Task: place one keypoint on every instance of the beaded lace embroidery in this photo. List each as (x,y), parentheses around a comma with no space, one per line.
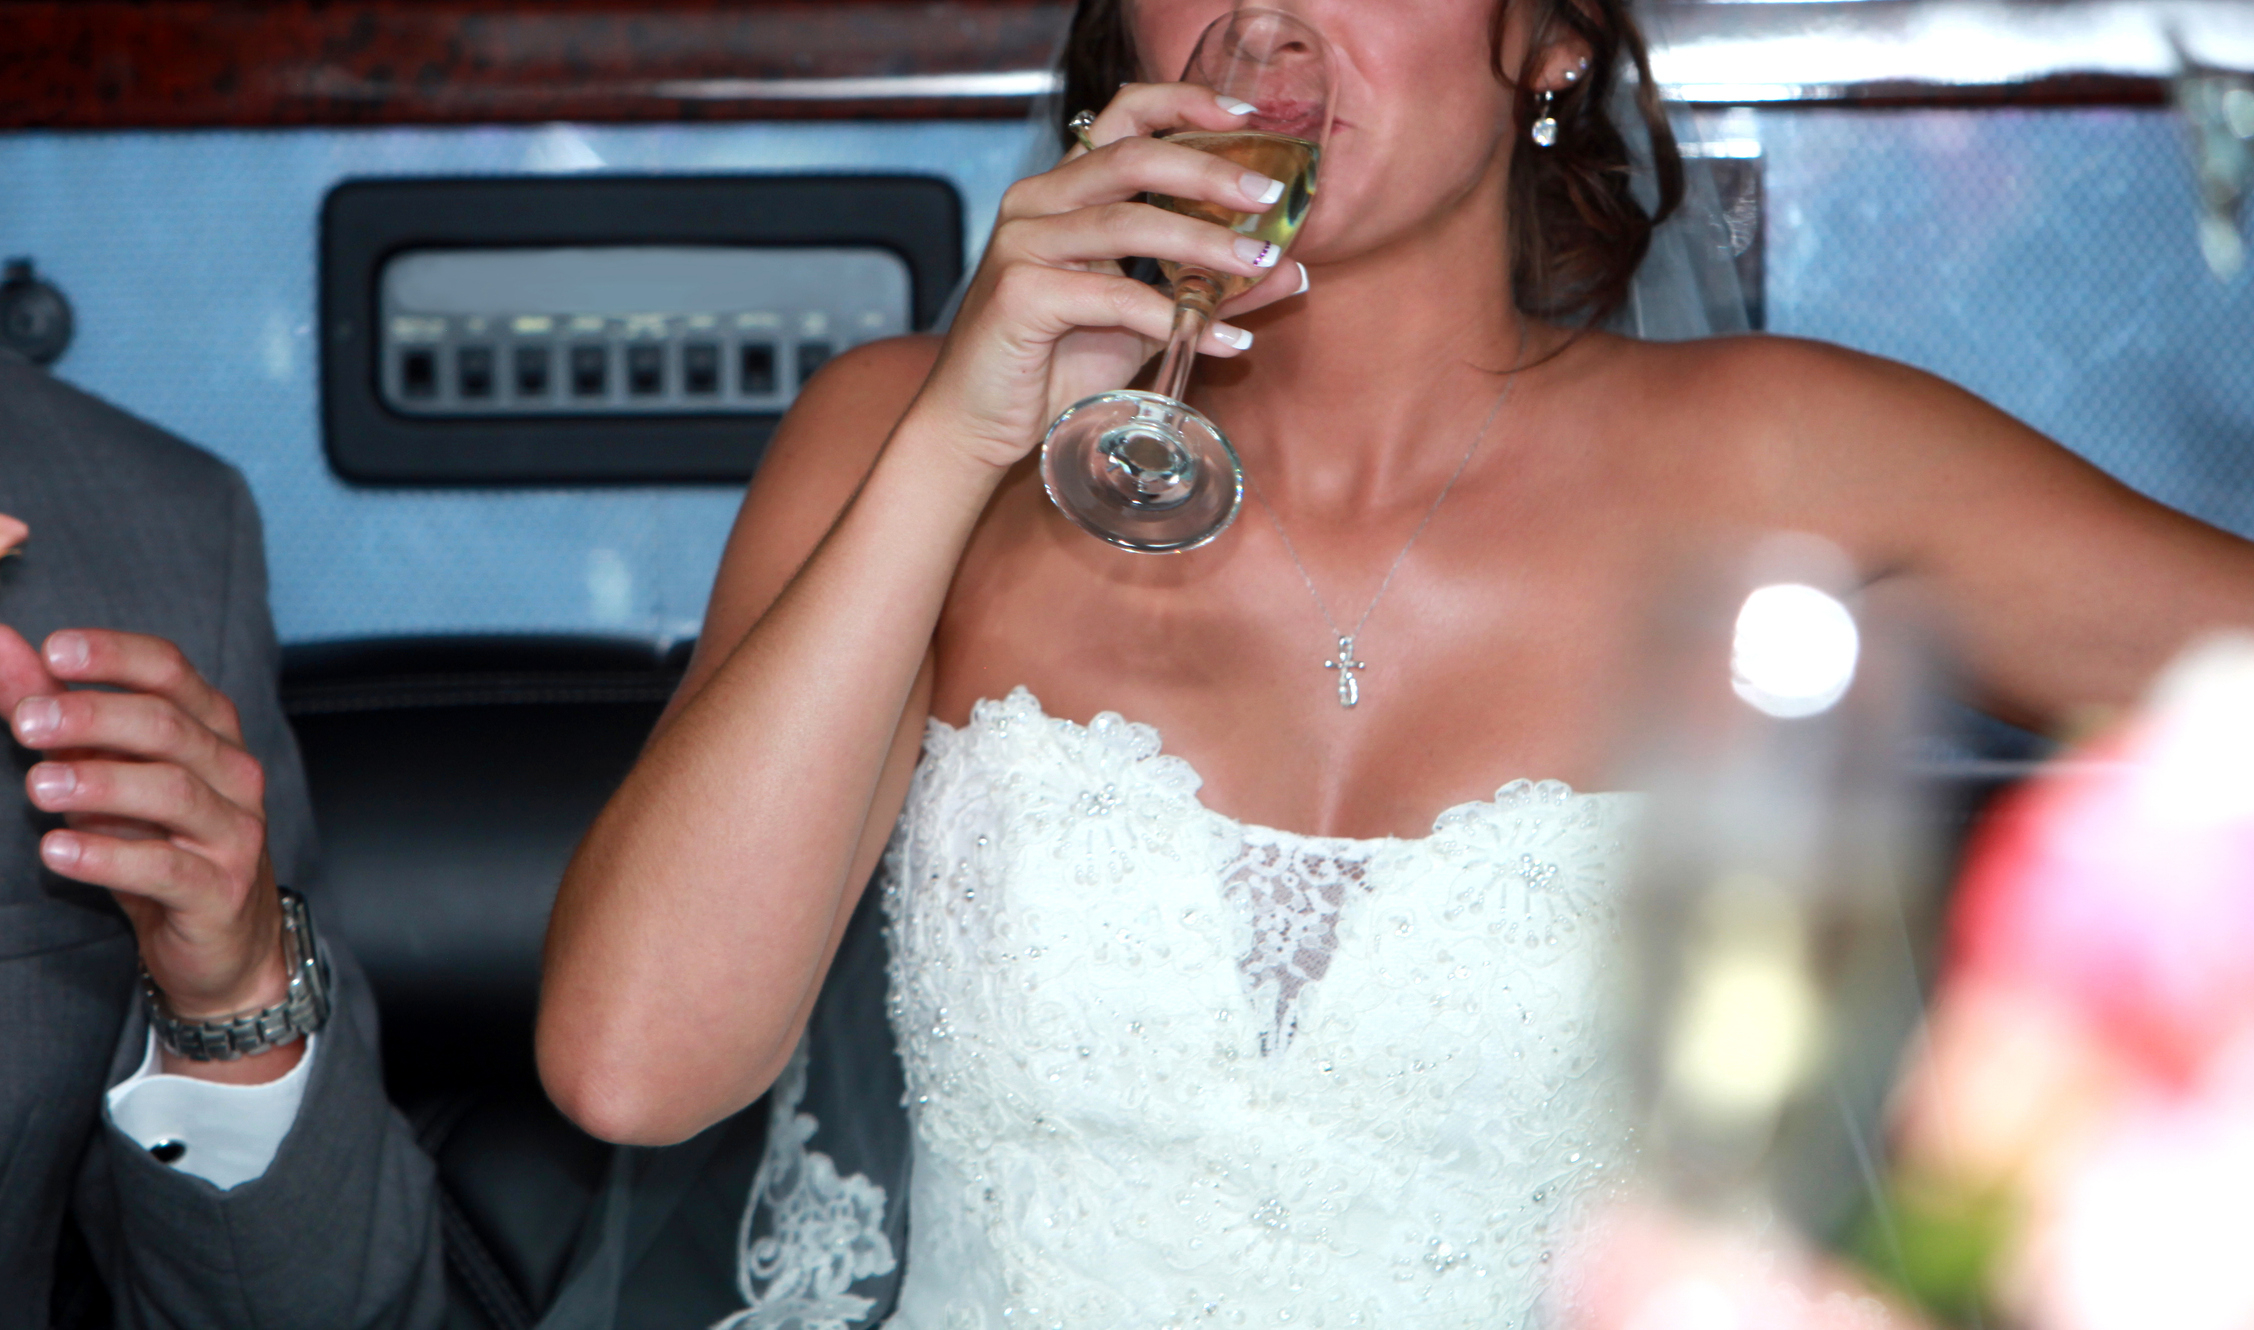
(1166,1069)
(821,1232)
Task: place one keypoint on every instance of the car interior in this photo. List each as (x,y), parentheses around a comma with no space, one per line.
(495,305)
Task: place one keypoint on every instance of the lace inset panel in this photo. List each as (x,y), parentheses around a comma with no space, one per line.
(1291,891)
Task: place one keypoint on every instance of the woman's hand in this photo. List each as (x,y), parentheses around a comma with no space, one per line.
(161,804)
(1050,318)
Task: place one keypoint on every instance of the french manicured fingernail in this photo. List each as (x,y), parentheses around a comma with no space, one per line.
(53,780)
(1240,338)
(1233,106)
(38,717)
(1261,189)
(1302,281)
(1258,253)
(61,849)
(67,651)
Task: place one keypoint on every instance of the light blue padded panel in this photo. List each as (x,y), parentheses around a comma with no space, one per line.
(190,260)
(2047,260)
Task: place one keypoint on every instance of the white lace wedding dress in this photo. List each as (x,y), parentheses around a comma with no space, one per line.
(1167,1069)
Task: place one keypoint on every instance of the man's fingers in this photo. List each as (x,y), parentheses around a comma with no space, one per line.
(159,793)
(144,727)
(143,664)
(124,828)
(207,935)
(22,673)
(155,870)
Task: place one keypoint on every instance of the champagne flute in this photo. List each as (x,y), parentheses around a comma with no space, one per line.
(1781,914)
(1143,470)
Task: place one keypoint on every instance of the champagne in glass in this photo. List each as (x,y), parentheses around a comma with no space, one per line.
(1276,156)
(1143,470)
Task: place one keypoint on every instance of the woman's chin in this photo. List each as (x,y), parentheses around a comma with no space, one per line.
(1319,245)
(1336,248)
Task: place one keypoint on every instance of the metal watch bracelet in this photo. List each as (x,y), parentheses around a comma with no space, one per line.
(304,1011)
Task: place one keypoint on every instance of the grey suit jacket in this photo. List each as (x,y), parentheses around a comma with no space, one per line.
(134,529)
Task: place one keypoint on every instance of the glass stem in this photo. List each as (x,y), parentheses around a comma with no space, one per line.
(1194,297)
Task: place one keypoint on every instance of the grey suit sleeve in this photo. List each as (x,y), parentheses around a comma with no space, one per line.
(342,1230)
(248,668)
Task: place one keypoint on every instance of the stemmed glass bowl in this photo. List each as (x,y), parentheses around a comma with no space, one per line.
(1144,470)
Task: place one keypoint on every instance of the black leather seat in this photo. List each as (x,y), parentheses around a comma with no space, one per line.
(451,780)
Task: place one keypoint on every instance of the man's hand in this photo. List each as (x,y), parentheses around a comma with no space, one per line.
(161,804)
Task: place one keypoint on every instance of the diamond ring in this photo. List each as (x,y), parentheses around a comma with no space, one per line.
(1080,123)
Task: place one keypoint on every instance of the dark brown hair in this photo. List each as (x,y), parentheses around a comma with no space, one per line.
(1577,232)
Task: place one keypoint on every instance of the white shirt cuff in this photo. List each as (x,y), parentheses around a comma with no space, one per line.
(224,1134)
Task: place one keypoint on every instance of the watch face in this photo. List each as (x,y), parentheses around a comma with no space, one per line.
(309,978)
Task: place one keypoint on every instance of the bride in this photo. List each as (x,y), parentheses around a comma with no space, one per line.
(1167,1060)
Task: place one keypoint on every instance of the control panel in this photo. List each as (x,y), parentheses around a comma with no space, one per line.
(602,328)
(632,330)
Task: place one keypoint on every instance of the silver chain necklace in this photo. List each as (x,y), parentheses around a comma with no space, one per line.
(1349,687)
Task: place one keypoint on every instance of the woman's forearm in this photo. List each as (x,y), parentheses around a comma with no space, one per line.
(693,925)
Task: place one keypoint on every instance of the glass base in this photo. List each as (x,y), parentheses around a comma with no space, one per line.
(1142,471)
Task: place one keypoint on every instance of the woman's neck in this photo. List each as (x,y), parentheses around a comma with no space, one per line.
(1369,384)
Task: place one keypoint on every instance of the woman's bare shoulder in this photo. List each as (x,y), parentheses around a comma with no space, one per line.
(1756,371)
(1796,406)
(846,410)
(832,434)
(1735,401)
(820,453)
(1802,433)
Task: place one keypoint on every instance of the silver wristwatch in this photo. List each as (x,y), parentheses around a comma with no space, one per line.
(304,1011)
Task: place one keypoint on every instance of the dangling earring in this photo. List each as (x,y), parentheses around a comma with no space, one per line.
(1544,130)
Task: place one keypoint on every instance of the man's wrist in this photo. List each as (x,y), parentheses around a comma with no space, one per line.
(271,988)
(244,1032)
(257,1069)
(266,984)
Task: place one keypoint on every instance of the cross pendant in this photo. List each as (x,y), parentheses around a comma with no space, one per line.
(1349,689)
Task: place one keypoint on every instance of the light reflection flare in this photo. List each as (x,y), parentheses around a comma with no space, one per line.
(1794,650)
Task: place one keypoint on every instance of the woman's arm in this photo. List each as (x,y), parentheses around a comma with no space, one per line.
(694,926)
(2062,588)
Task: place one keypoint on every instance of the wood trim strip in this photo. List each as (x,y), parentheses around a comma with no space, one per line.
(115,64)
(109,64)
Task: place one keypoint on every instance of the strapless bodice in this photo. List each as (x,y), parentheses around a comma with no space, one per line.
(1166,1068)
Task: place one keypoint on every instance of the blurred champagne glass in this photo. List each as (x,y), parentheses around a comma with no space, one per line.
(1777,928)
